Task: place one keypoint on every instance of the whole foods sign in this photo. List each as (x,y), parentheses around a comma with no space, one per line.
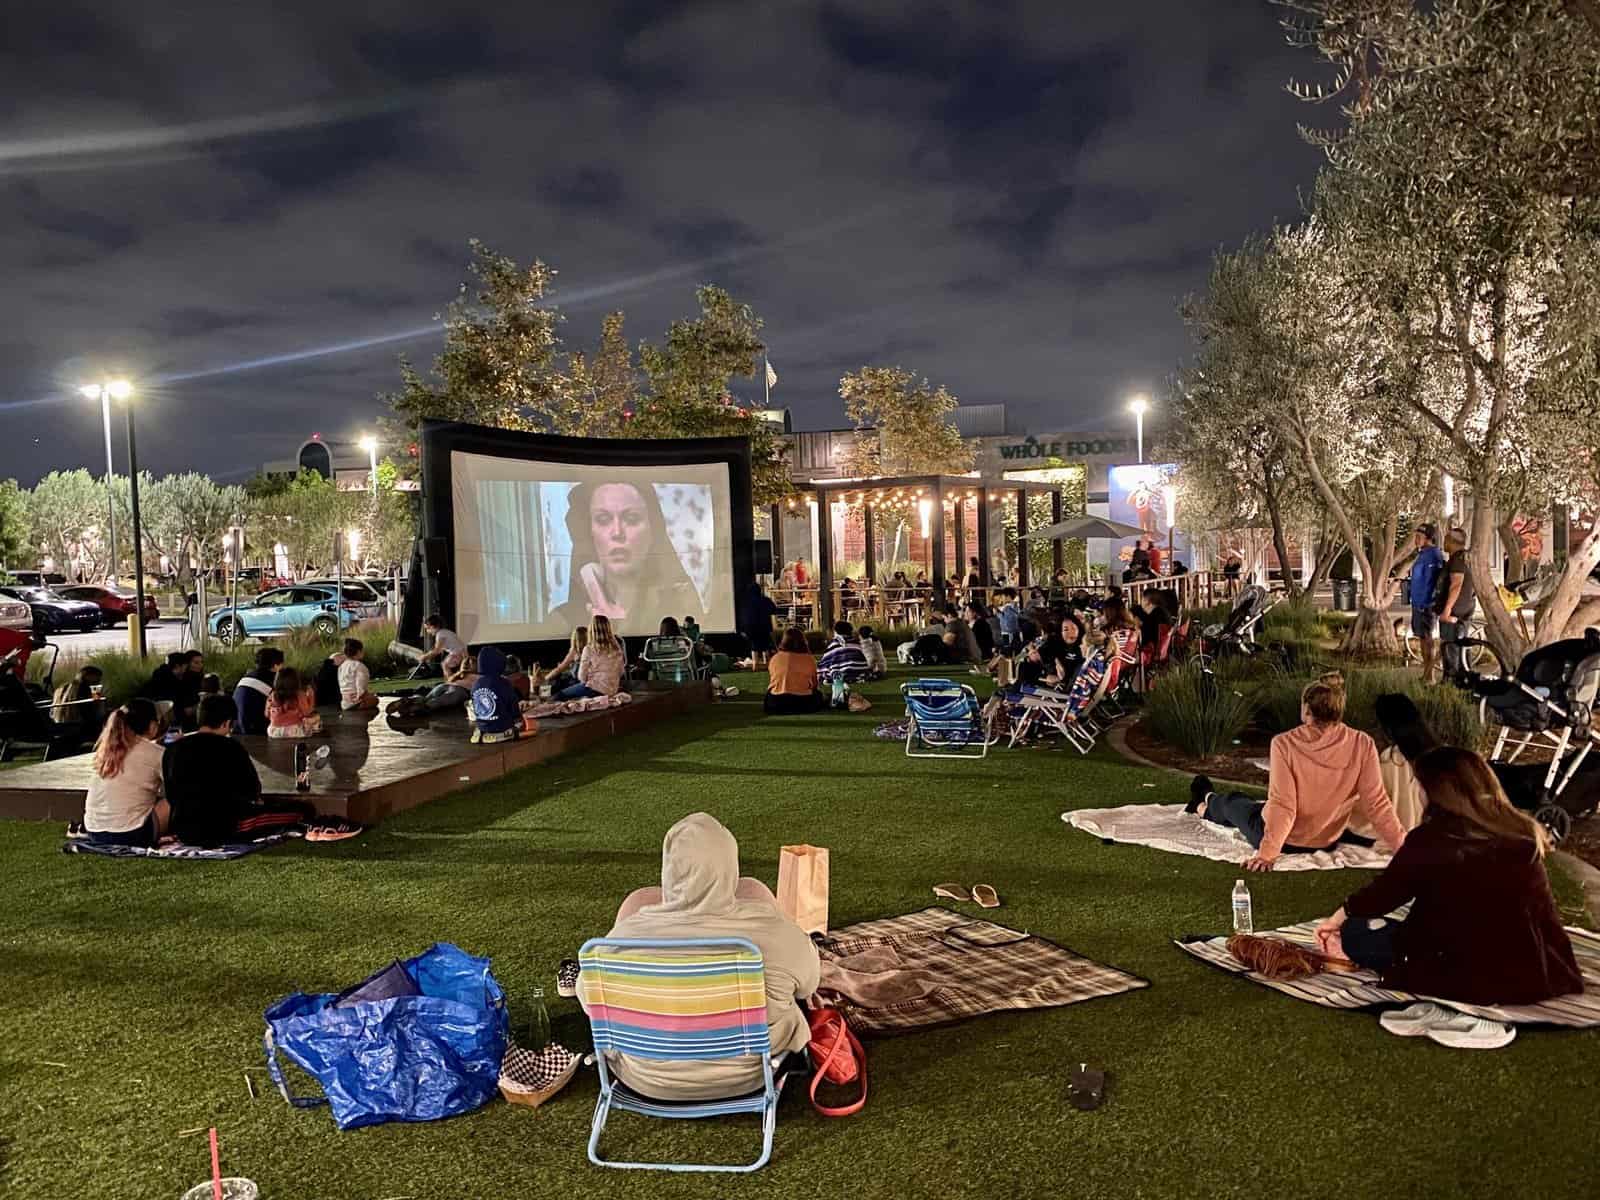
(1032,447)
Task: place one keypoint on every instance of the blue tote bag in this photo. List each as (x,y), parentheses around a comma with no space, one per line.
(419,1041)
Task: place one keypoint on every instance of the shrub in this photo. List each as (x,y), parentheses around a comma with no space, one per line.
(1195,712)
(1449,712)
(1294,621)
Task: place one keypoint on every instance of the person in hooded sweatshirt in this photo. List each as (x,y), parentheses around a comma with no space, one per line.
(496,711)
(702,896)
(1320,773)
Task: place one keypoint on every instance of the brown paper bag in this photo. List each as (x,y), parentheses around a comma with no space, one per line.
(803,886)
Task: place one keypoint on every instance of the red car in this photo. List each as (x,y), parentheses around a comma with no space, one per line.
(115,605)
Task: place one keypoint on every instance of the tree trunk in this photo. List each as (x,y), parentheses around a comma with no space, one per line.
(1586,615)
(1556,614)
(1515,563)
(1499,627)
(1371,634)
(1280,544)
(1328,552)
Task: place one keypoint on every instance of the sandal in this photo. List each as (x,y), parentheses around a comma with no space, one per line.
(985,896)
(1087,1089)
(951,891)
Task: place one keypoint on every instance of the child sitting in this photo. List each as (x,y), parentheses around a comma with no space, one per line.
(496,710)
(292,707)
(872,649)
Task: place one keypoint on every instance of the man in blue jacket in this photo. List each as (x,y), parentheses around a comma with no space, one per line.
(1419,592)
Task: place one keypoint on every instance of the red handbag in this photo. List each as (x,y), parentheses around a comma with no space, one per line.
(836,1056)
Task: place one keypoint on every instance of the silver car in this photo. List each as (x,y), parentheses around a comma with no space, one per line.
(371,604)
(14,614)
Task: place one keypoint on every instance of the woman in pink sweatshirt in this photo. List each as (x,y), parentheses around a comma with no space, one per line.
(1321,773)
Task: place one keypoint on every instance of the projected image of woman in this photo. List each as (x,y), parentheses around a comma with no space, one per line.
(623,564)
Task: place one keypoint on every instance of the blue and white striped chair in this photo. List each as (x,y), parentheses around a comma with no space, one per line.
(677,1000)
(944,720)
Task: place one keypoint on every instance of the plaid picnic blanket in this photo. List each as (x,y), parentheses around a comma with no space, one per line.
(169,848)
(980,967)
(1361,989)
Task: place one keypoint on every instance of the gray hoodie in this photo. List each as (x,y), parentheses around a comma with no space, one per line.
(699,882)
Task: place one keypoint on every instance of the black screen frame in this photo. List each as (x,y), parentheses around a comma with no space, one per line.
(441,439)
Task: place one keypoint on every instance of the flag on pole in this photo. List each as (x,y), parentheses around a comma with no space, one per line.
(772,376)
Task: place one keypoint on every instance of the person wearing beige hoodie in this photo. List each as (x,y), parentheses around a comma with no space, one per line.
(1321,774)
(702,896)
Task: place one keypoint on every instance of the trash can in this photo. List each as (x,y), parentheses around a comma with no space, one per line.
(1344,595)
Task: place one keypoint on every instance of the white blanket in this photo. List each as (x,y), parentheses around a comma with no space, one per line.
(1168,827)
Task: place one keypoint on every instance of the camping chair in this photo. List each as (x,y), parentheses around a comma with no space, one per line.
(677,1000)
(944,719)
(671,660)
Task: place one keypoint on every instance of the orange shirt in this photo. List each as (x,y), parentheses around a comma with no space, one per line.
(791,674)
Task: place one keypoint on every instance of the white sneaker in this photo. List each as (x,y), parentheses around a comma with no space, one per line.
(1416,1019)
(1448,1027)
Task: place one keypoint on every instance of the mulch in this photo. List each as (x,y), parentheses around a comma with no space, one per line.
(1233,763)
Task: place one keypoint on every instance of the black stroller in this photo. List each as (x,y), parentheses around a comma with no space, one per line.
(1236,635)
(1549,700)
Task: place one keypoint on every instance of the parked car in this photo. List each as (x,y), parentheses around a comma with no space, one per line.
(53,613)
(284,610)
(115,604)
(373,605)
(26,578)
(14,614)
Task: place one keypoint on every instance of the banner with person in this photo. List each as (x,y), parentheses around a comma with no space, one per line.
(1145,495)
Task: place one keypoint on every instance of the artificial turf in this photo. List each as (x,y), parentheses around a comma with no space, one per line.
(134,992)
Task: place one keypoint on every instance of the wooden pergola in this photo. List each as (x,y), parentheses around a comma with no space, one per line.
(958,490)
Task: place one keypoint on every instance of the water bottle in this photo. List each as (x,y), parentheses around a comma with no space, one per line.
(538,1022)
(1243,921)
(302,767)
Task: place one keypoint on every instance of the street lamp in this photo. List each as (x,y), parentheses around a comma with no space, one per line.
(121,389)
(1138,406)
(370,445)
(105,392)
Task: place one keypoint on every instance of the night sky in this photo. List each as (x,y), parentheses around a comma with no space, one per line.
(253,210)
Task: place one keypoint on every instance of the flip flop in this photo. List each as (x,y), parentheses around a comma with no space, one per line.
(985,896)
(951,891)
(1087,1089)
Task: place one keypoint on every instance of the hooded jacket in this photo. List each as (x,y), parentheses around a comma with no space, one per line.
(494,700)
(699,899)
(1319,775)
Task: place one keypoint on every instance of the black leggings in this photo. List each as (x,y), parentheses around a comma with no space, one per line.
(779,705)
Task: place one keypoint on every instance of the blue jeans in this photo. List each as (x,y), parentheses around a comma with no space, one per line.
(578,691)
(1368,947)
(1244,813)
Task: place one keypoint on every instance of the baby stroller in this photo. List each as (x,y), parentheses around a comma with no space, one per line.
(1236,635)
(1549,700)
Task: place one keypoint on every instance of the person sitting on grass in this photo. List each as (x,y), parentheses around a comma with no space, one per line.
(601,665)
(961,644)
(255,688)
(210,685)
(792,677)
(292,707)
(355,679)
(124,805)
(496,709)
(977,619)
(929,649)
(177,683)
(565,672)
(455,691)
(213,789)
(1406,738)
(703,896)
(1483,927)
(872,648)
(843,663)
(1318,775)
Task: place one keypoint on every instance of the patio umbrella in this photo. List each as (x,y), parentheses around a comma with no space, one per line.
(1089,527)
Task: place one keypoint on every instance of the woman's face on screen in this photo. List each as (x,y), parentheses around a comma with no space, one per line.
(620,524)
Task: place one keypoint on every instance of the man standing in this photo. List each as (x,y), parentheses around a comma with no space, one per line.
(1457,601)
(1419,592)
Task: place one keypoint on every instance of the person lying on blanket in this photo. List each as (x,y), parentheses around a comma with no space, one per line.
(1483,927)
(702,896)
(212,785)
(1319,774)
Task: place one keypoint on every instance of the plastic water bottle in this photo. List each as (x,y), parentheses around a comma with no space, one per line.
(538,1022)
(302,767)
(1243,921)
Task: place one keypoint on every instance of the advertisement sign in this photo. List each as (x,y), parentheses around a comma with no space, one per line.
(1145,495)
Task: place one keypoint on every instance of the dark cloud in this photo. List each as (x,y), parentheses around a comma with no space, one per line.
(254,210)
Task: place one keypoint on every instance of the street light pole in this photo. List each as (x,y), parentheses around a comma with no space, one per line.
(138,533)
(111,503)
(1140,405)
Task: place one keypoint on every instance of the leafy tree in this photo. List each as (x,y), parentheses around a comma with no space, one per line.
(67,512)
(600,390)
(903,425)
(1467,179)
(16,547)
(304,518)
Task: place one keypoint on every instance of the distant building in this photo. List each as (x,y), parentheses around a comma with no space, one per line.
(340,461)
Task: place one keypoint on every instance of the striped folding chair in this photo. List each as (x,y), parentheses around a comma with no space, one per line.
(677,1000)
(944,720)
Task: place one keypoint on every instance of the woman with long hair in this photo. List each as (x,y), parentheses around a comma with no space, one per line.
(292,707)
(569,665)
(124,806)
(600,666)
(792,677)
(623,563)
(1483,927)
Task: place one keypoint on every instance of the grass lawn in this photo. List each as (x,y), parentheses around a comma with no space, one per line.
(134,993)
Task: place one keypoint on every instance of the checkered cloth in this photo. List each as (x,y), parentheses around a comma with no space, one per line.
(981,967)
(1361,989)
(533,1076)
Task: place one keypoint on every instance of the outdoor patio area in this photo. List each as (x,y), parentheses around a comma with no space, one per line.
(137,989)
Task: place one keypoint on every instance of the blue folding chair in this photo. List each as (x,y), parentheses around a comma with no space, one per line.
(677,1000)
(944,719)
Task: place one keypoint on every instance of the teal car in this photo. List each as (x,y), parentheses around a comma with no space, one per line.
(285,610)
